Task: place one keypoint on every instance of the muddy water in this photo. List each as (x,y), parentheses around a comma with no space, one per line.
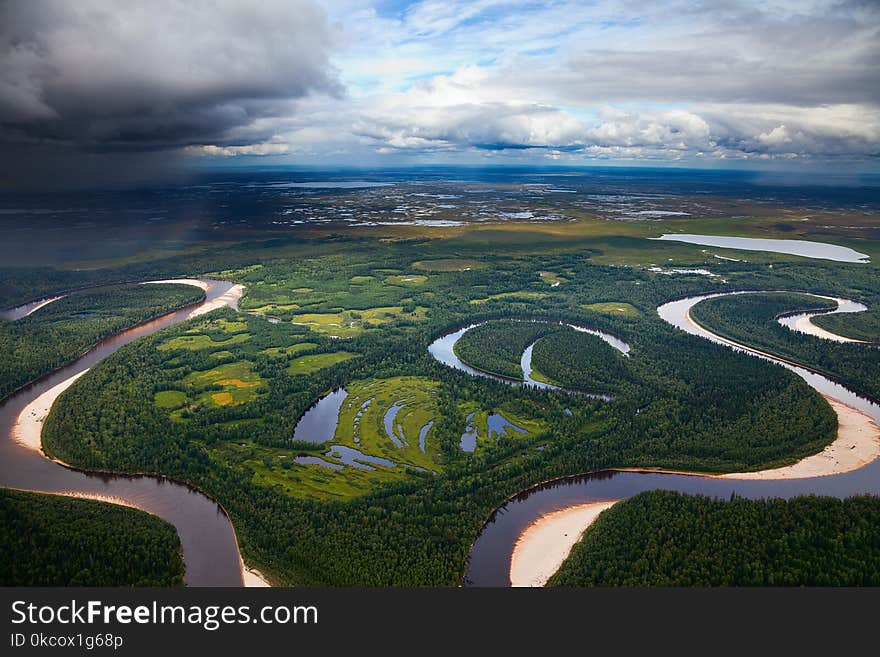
(490,557)
(210,550)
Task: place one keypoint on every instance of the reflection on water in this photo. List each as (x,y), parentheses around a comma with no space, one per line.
(395,433)
(498,425)
(357,459)
(314,460)
(469,437)
(318,424)
(423,434)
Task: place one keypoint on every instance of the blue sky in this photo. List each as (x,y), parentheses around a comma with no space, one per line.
(779,83)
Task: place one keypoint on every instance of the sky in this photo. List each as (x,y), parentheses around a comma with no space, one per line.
(94,88)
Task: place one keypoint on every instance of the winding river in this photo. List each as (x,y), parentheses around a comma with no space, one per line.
(210,549)
(489,561)
(443,349)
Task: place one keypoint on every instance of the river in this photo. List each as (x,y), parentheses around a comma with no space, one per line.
(210,549)
(490,557)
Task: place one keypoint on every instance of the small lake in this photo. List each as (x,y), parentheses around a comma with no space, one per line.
(318,424)
(802,248)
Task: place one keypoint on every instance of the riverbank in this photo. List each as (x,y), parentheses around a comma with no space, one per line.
(28,427)
(546,543)
(856,445)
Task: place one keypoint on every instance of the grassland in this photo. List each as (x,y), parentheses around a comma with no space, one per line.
(239,383)
(348,323)
(618,308)
(305,365)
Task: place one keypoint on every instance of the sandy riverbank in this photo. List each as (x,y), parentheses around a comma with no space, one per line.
(28,426)
(253,578)
(804,324)
(856,445)
(545,544)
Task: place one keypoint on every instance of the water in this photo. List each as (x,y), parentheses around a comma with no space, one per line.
(318,423)
(314,460)
(843,306)
(443,349)
(498,425)
(469,437)
(357,459)
(210,550)
(26,309)
(423,435)
(489,559)
(394,433)
(803,248)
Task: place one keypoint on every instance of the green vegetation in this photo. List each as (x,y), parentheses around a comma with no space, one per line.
(686,404)
(348,323)
(497,346)
(449,264)
(412,280)
(49,540)
(314,362)
(62,330)
(228,384)
(859,326)
(668,539)
(580,360)
(700,407)
(619,308)
(510,296)
(751,318)
(551,278)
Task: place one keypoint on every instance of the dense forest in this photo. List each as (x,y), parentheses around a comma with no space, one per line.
(860,326)
(686,404)
(62,330)
(49,540)
(751,319)
(580,360)
(496,347)
(662,538)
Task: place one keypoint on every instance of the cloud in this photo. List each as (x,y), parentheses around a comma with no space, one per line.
(470,110)
(362,81)
(147,75)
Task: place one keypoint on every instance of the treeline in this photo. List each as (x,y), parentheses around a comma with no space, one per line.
(580,360)
(497,346)
(751,319)
(859,326)
(62,330)
(49,540)
(662,538)
(690,405)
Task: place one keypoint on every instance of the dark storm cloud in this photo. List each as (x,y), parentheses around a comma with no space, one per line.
(92,76)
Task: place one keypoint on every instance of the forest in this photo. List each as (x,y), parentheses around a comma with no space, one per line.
(684,403)
(496,347)
(751,318)
(580,360)
(62,330)
(662,538)
(50,540)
